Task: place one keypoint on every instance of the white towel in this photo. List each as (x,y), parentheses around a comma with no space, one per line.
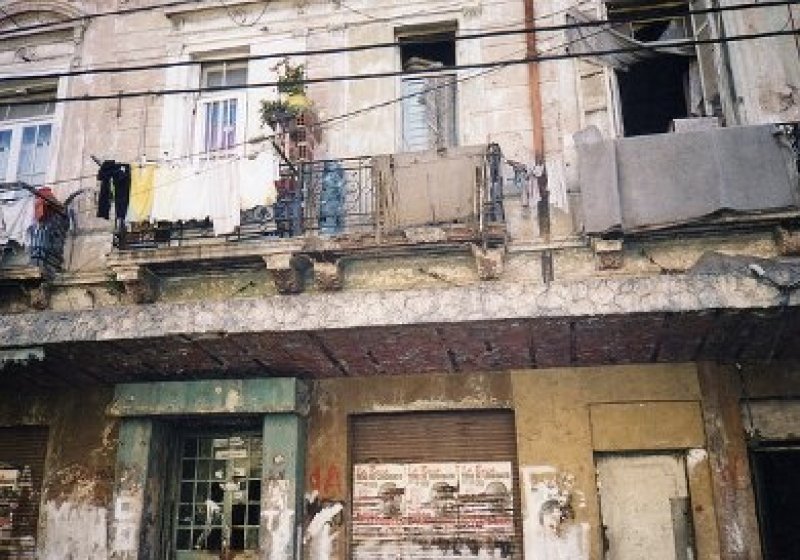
(257,179)
(17,215)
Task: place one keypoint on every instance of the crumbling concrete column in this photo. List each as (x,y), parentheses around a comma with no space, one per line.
(730,468)
(282,483)
(138,489)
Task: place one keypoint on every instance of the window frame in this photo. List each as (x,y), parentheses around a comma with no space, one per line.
(17,127)
(207,99)
(441,30)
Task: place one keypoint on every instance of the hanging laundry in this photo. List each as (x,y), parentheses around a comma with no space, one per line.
(331,198)
(141,199)
(45,204)
(165,193)
(257,180)
(115,184)
(17,216)
(225,197)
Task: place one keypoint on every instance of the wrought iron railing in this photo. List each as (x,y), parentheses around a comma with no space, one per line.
(39,236)
(326,198)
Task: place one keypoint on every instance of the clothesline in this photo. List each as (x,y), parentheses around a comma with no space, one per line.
(151,192)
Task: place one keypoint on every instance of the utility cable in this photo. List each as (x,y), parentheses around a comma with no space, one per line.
(388,44)
(396,73)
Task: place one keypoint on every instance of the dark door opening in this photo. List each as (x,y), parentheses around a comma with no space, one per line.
(652,93)
(778,495)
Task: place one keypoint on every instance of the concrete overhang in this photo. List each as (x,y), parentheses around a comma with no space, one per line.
(488,326)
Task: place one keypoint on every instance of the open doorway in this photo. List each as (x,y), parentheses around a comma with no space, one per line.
(657,86)
(777,487)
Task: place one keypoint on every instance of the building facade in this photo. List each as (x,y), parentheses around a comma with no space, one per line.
(328,280)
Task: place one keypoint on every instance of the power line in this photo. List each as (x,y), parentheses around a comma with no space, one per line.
(383,45)
(396,73)
(338,118)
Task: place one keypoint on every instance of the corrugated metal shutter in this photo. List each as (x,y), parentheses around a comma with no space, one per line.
(462,437)
(22,455)
(418,437)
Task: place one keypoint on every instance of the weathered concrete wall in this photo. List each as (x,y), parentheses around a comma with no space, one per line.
(562,417)
(79,469)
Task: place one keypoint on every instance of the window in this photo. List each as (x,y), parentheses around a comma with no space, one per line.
(664,85)
(219,495)
(221,113)
(26,133)
(429,99)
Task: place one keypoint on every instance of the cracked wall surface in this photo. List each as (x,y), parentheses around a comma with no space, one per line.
(591,297)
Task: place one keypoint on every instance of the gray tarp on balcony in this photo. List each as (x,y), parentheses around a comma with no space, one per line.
(668,179)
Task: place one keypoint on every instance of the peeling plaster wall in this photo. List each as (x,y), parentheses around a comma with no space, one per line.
(556,441)
(79,469)
(554,437)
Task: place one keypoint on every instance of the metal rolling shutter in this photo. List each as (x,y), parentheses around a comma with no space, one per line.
(22,449)
(469,436)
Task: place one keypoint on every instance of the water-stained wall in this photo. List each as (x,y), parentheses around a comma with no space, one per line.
(563,417)
(78,470)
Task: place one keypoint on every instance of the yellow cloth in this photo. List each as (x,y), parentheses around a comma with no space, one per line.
(142,183)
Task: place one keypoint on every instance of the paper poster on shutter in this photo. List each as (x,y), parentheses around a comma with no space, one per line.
(431,496)
(378,501)
(486,499)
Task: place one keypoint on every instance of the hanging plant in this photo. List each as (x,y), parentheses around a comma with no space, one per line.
(292,100)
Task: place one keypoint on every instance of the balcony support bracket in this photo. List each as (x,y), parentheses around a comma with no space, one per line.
(39,296)
(609,253)
(328,276)
(788,241)
(490,262)
(287,271)
(139,283)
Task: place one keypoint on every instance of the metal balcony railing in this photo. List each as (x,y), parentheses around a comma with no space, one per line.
(31,239)
(336,197)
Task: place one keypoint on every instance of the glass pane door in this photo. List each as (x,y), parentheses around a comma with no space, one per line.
(219,496)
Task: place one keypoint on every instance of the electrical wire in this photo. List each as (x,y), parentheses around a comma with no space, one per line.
(383,45)
(395,73)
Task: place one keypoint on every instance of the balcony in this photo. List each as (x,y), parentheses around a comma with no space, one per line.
(696,181)
(337,208)
(33,230)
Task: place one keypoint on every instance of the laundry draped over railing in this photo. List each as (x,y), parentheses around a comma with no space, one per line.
(218,190)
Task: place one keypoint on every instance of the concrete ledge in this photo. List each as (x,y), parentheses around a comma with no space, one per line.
(352,309)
